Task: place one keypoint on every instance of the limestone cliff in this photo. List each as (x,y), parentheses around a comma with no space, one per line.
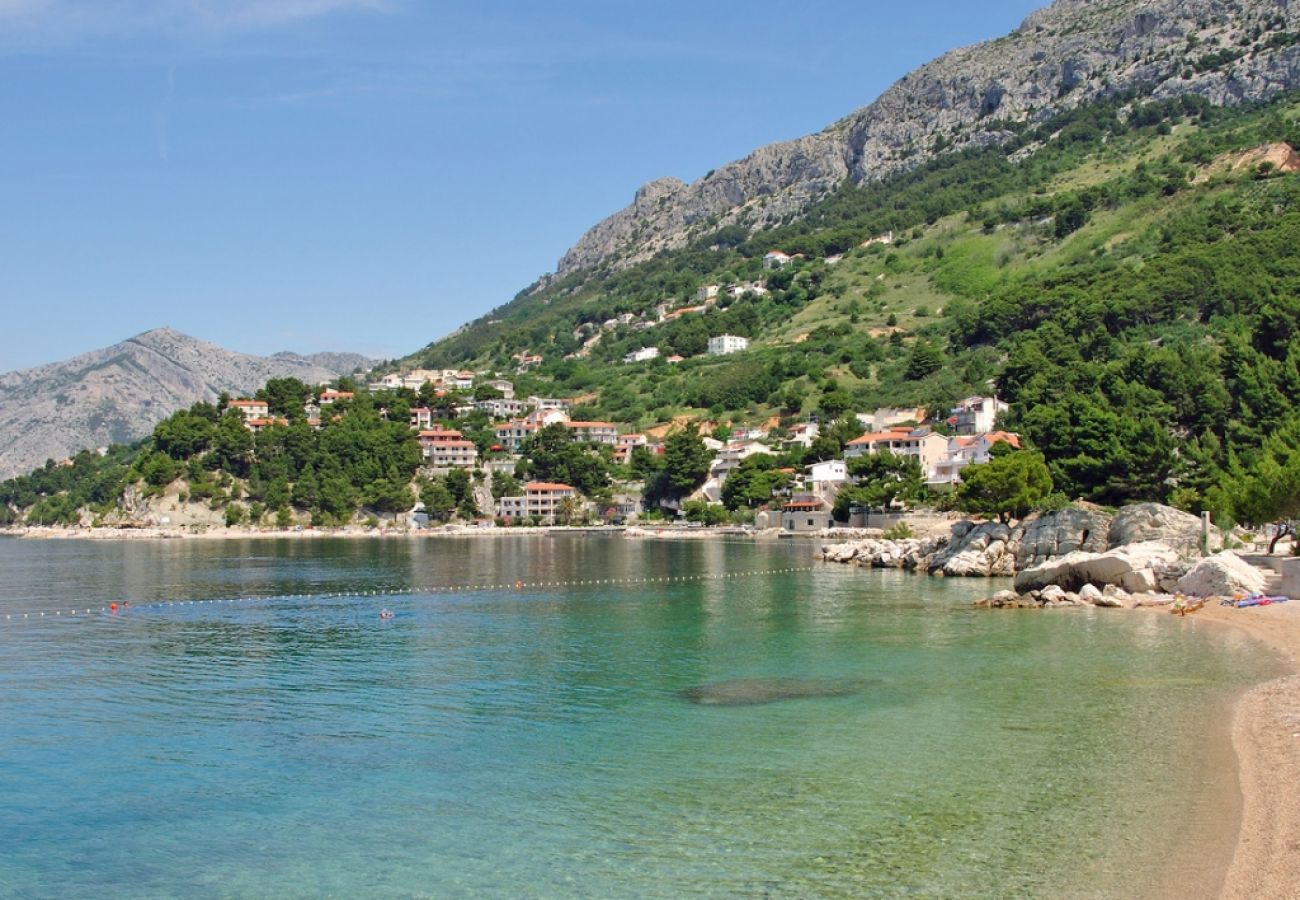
(1227,51)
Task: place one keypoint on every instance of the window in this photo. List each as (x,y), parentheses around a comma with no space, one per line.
(811,523)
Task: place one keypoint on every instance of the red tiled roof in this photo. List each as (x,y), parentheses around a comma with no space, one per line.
(876,437)
(246,403)
(543,487)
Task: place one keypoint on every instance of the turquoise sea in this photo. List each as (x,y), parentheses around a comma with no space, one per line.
(549,742)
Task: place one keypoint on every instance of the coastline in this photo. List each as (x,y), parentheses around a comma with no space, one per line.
(162,533)
(1266,739)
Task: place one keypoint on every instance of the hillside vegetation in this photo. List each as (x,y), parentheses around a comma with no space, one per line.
(1129,290)
(1111,272)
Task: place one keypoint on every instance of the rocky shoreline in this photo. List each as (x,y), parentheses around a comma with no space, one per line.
(1143,555)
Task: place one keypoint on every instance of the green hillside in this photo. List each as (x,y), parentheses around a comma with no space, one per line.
(1124,274)
(1131,295)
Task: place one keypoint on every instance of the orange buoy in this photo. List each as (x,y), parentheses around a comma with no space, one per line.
(113,607)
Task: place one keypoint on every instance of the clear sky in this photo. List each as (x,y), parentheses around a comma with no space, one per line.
(367,175)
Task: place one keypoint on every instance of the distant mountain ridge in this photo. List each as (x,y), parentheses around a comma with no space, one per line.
(1071,52)
(118,393)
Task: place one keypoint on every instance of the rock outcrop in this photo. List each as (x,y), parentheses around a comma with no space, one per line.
(1071,529)
(1074,51)
(1222,575)
(1136,568)
(1154,522)
(911,554)
(1140,549)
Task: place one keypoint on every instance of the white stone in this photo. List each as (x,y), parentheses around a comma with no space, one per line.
(1090,594)
(1225,573)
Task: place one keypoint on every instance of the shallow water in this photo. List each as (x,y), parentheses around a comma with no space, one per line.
(544,742)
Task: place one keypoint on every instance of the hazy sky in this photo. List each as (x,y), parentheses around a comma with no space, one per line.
(369,174)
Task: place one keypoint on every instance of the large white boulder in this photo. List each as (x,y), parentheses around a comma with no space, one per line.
(1146,522)
(1224,573)
(1135,568)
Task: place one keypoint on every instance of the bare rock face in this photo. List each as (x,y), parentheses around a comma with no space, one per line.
(1223,574)
(1047,537)
(1154,522)
(976,551)
(1069,53)
(116,395)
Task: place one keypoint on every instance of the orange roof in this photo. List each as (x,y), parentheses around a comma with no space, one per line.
(876,437)
(458,444)
(338,395)
(590,424)
(804,504)
(246,403)
(543,487)
(996,436)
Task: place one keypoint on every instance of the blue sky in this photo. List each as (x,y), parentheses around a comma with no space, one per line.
(369,174)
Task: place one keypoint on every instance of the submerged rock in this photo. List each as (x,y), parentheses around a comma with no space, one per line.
(756,691)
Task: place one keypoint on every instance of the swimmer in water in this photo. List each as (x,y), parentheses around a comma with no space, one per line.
(385,614)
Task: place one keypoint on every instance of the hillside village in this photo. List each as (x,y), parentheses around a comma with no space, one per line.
(802,500)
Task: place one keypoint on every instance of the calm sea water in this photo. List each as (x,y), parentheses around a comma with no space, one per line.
(536,742)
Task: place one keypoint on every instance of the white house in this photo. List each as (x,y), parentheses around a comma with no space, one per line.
(506,388)
(593,432)
(447,449)
(928,447)
(250,409)
(966,450)
(776,259)
(539,499)
(707,292)
(550,403)
(757,288)
(626,443)
(976,415)
(500,409)
(804,435)
(421,417)
(645,354)
(824,479)
(724,344)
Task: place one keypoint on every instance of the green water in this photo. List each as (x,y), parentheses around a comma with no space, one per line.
(538,743)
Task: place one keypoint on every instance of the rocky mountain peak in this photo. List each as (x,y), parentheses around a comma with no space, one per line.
(1070,52)
(118,393)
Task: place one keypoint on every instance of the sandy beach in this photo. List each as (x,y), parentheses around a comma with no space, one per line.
(1266,738)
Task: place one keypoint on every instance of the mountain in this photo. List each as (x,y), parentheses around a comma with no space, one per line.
(117,394)
(1070,53)
(341,363)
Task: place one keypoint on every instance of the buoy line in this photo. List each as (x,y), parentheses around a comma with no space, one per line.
(115,608)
